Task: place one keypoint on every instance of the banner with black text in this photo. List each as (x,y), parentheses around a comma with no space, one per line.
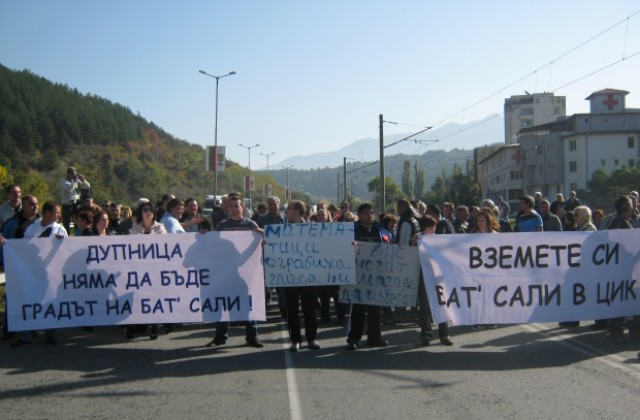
(531,277)
(136,279)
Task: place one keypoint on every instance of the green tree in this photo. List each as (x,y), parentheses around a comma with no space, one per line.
(419,181)
(393,192)
(407,182)
(34,183)
(598,183)
(5,177)
(605,187)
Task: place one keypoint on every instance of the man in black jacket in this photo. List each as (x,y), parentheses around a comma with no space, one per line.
(366,230)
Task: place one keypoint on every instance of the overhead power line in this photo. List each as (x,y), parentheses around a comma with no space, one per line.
(560,57)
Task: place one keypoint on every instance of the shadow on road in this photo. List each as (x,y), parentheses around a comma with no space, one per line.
(106,358)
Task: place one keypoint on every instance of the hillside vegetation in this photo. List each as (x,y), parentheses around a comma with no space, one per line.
(45,127)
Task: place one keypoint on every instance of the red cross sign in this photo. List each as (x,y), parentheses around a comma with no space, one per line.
(610,102)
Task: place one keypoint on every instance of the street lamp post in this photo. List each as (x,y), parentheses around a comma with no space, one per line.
(287,195)
(344,171)
(382,191)
(215,136)
(267,156)
(249,185)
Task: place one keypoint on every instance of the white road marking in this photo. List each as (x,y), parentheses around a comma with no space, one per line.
(295,408)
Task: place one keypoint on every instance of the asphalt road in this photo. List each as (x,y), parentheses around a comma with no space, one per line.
(533,371)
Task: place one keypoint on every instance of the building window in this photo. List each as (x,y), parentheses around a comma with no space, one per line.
(540,150)
(572,145)
(631,143)
(573,166)
(616,162)
(526,111)
(632,163)
(526,123)
(603,162)
(516,175)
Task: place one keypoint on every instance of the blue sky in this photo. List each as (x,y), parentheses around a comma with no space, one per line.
(314,76)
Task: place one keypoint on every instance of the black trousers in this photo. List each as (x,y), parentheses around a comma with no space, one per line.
(424,314)
(306,296)
(67,212)
(325,293)
(357,320)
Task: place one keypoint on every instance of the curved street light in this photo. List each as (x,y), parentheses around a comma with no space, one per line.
(267,156)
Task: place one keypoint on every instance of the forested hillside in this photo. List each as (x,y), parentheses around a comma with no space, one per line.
(45,127)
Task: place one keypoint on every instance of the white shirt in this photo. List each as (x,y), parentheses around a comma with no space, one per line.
(71,189)
(35,229)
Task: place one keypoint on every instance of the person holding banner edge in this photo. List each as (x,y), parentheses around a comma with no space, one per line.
(408,229)
(44,227)
(14,228)
(366,230)
(147,224)
(306,296)
(428,226)
(237,221)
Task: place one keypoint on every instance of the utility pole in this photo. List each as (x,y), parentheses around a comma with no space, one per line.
(382,189)
(344,176)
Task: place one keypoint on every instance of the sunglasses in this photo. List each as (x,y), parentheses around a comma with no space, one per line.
(147,210)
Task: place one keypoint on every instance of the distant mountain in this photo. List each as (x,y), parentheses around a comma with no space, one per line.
(450,136)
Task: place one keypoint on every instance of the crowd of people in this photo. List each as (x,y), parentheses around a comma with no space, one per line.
(78,215)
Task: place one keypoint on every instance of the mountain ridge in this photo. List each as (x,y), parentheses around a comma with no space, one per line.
(448,137)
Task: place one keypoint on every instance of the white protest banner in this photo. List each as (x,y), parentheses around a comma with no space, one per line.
(136,279)
(309,254)
(386,275)
(531,277)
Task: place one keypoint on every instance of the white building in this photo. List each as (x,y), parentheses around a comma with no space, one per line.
(543,157)
(523,111)
(500,172)
(562,156)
